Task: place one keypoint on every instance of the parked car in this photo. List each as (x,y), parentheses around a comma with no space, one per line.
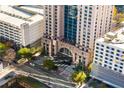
(32,64)
(7,77)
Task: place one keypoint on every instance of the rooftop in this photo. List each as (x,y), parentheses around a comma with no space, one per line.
(114,38)
(30,8)
(17,17)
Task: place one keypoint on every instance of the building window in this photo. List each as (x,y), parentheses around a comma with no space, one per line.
(116,65)
(106,58)
(115,69)
(107,47)
(118,55)
(95,61)
(121,63)
(110,67)
(118,50)
(90,12)
(110,59)
(96,51)
(107,51)
(120,71)
(97,47)
(101,52)
(101,49)
(117,58)
(106,54)
(86,11)
(85,7)
(121,67)
(96,54)
(100,63)
(106,62)
(90,8)
(97,44)
(112,49)
(111,56)
(112,52)
(105,65)
(110,63)
(96,58)
(102,45)
(89,15)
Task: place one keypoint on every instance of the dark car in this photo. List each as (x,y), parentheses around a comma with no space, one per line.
(7,77)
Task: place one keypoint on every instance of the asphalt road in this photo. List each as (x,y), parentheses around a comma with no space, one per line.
(46,77)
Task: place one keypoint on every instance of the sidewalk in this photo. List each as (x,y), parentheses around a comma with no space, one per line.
(4,73)
(6,70)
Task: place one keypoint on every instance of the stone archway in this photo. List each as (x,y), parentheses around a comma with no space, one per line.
(74,52)
(66,52)
(65,56)
(55,47)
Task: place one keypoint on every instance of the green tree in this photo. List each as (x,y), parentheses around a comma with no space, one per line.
(89,67)
(35,50)
(119,18)
(2,47)
(49,64)
(79,67)
(25,52)
(78,77)
(115,12)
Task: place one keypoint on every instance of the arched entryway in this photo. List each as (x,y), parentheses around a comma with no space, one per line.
(66,52)
(64,56)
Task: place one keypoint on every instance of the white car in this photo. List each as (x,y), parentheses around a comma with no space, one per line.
(32,64)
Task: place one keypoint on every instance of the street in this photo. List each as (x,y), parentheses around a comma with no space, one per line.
(46,77)
(52,79)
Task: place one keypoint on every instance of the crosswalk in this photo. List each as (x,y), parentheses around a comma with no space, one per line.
(62,65)
(65,70)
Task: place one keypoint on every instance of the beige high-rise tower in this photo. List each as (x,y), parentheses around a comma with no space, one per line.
(88,22)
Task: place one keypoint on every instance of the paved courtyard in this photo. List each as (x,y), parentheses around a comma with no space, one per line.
(64,69)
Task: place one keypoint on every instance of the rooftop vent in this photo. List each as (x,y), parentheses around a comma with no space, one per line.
(17,16)
(122,32)
(109,37)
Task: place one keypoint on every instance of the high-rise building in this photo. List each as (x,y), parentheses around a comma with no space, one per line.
(80,25)
(108,62)
(54,21)
(93,22)
(70,23)
(22,27)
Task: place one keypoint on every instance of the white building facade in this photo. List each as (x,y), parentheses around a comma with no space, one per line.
(20,27)
(1,66)
(108,62)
